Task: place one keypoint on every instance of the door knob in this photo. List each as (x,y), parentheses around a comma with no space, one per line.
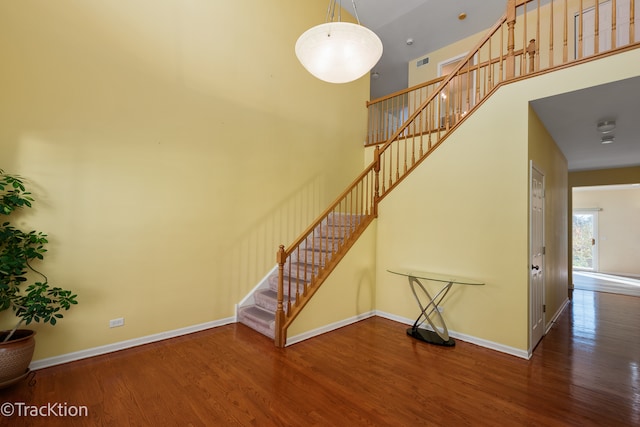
(535,267)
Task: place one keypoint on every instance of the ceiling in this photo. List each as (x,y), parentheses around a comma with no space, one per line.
(570,118)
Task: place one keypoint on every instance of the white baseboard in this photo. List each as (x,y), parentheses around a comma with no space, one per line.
(556,315)
(328,328)
(463,337)
(109,348)
(122,345)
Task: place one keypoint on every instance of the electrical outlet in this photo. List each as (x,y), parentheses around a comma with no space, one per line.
(114,323)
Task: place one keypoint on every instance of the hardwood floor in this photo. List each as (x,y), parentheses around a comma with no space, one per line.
(586,371)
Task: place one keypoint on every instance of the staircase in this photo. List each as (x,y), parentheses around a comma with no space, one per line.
(435,109)
(318,249)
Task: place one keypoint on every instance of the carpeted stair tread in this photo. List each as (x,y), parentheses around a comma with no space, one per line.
(267,299)
(273,284)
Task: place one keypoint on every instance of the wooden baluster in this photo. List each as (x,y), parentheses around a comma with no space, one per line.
(382,126)
(538,36)
(298,264)
(501,66)
(449,106)
(377,119)
(354,209)
(374,125)
(596,39)
(632,22)
(489,73)
(365,194)
(375,186)
(523,60)
(433,105)
(478,69)
(469,88)
(580,19)
(404,160)
(384,174)
(531,51)
(413,142)
(460,97)
(439,103)
(551,35)
(565,46)
(614,13)
(511,44)
(280,336)
(397,145)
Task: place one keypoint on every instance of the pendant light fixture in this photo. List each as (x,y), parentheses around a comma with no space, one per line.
(336,51)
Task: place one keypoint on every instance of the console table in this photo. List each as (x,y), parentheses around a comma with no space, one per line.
(439,334)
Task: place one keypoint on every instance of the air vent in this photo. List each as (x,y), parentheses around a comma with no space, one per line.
(422,62)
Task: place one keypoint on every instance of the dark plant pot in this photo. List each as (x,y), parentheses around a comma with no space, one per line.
(15,356)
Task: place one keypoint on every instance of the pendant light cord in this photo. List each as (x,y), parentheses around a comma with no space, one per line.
(331,11)
(355,10)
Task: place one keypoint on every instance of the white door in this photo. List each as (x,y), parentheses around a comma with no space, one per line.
(536,237)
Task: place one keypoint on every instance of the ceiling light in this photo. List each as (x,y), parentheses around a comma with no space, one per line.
(409,41)
(462,16)
(607,139)
(336,51)
(606,126)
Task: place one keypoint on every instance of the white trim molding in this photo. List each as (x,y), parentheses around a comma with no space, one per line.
(328,328)
(466,338)
(122,345)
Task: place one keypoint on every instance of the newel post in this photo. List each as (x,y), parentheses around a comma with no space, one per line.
(511,39)
(280,336)
(376,169)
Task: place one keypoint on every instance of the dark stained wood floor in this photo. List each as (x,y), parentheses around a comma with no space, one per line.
(586,371)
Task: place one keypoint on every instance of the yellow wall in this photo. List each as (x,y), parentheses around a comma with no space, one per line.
(629,175)
(618,227)
(465,210)
(429,71)
(171,147)
(457,214)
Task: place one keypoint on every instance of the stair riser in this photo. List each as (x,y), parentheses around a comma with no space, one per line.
(324,244)
(310,257)
(343,220)
(273,285)
(258,326)
(270,304)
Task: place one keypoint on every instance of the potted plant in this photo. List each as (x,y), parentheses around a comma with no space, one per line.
(23,289)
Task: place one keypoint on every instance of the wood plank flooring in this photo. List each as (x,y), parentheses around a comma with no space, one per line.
(586,371)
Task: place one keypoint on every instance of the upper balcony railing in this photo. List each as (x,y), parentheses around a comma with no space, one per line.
(532,36)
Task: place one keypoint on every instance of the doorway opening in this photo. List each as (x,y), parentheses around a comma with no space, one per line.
(585,240)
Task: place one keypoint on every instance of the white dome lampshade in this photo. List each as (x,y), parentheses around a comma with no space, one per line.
(338,52)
